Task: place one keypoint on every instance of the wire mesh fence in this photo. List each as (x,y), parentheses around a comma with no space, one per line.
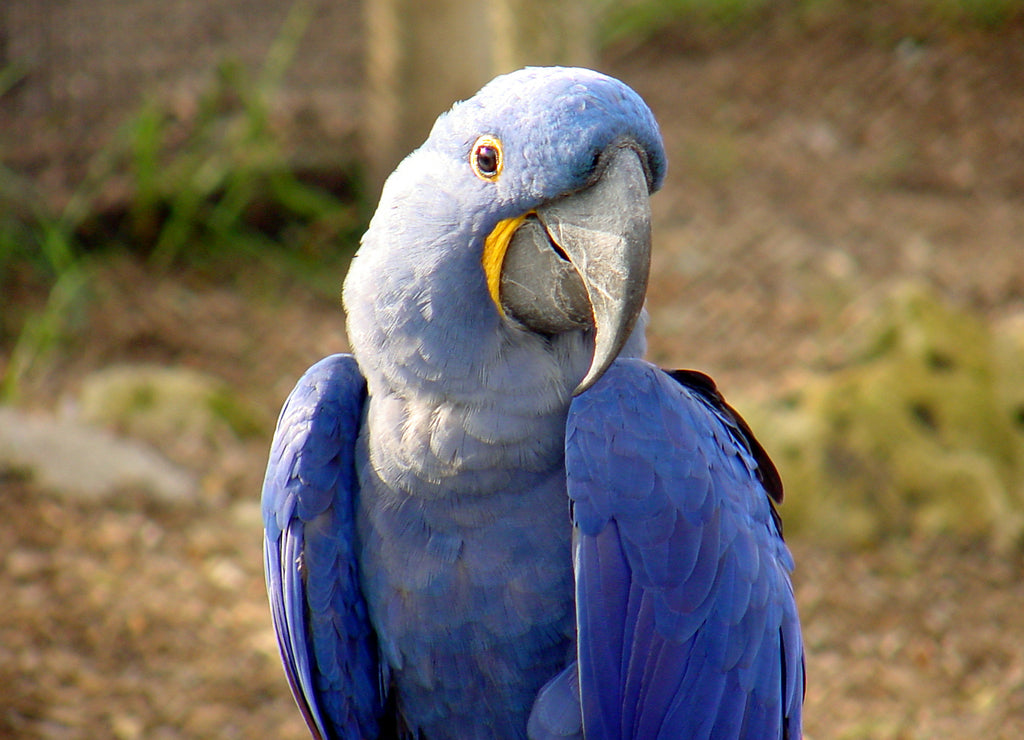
(75,70)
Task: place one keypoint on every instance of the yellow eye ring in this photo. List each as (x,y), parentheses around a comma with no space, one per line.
(487,158)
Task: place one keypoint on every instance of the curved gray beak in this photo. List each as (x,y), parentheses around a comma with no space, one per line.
(584,260)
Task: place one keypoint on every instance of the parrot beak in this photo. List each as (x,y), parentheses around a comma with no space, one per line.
(582,261)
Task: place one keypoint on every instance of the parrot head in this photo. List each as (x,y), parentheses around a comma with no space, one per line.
(520,227)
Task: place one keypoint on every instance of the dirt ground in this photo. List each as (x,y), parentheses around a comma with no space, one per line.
(809,169)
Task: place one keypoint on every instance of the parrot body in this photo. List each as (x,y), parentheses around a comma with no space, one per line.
(489,522)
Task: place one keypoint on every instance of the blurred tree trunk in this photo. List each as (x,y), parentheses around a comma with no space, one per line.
(424,55)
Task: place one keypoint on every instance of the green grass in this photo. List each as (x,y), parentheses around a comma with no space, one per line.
(204,199)
(990,14)
(636,21)
(210,193)
(640,19)
(201,186)
(37,246)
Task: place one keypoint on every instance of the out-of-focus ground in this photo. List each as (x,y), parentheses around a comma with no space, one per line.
(809,171)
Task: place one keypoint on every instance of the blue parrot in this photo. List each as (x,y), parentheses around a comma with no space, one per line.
(493,519)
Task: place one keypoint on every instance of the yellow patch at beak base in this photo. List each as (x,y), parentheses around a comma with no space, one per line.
(495,246)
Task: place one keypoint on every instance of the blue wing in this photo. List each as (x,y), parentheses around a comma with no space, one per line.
(687,624)
(327,644)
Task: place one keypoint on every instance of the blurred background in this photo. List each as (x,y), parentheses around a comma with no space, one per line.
(840,243)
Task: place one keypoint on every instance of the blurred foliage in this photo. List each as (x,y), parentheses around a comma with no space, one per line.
(636,21)
(209,187)
(212,182)
(161,403)
(985,13)
(38,252)
(225,190)
(919,433)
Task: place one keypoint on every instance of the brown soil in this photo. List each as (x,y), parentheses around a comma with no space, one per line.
(809,170)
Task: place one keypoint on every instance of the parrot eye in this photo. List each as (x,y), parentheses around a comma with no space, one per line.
(486,158)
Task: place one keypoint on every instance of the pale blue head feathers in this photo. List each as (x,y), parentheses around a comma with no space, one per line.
(417,285)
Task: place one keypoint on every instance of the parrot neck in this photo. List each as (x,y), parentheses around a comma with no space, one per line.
(464,538)
(434,432)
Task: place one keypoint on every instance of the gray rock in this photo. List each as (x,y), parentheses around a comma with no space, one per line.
(85,462)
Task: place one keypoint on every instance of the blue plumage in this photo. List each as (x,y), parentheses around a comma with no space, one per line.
(327,644)
(693,615)
(455,545)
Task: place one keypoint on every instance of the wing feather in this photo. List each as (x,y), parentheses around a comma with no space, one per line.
(687,624)
(327,644)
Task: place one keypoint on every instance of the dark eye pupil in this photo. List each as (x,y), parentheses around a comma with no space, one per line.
(487,159)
